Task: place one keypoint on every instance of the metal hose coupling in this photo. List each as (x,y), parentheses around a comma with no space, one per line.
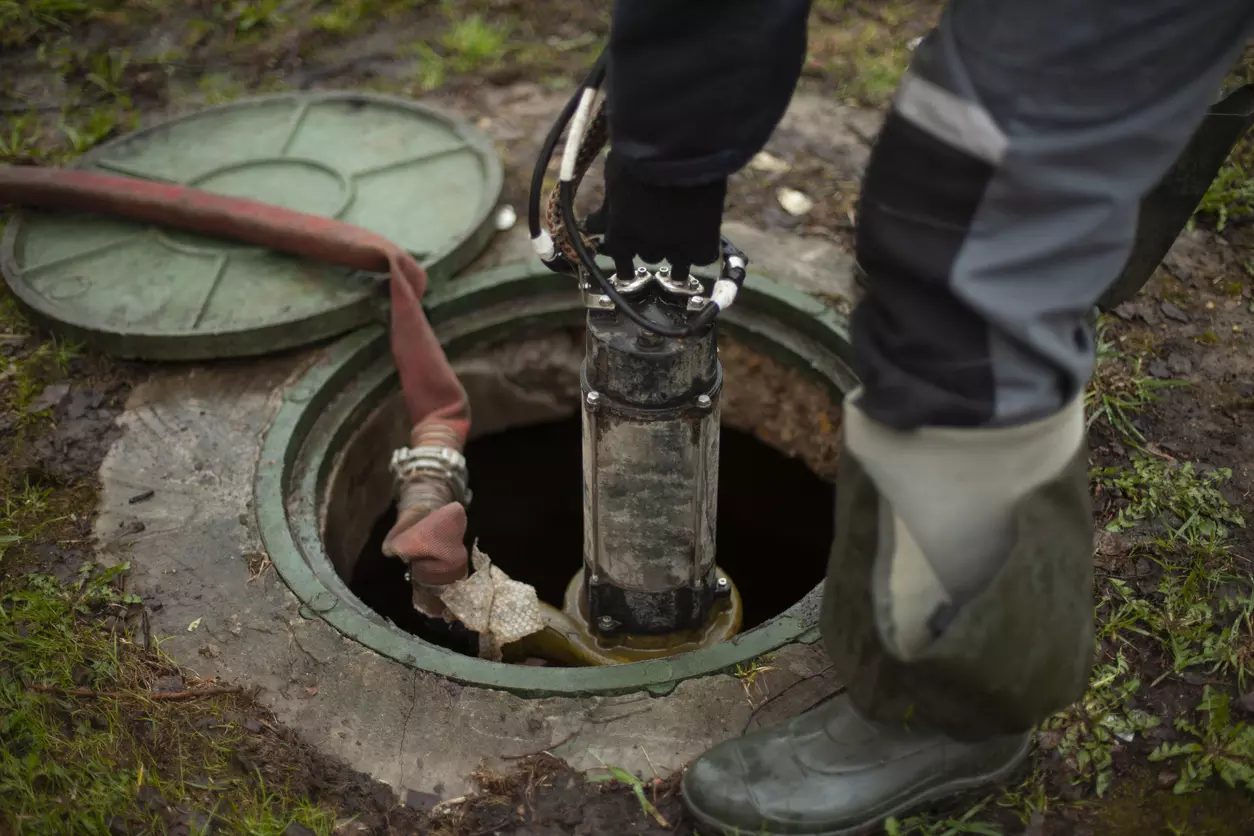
(431,499)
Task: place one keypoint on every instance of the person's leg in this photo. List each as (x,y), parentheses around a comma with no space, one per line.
(1000,200)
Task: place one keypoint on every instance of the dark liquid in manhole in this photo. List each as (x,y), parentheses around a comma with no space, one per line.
(775,520)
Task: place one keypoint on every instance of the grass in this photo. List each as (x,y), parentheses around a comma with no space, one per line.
(1231,194)
(1173,495)
(84,764)
(1219,747)
(1120,390)
(24,20)
(622,776)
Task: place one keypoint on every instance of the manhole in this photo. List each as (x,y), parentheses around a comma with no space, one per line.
(323,491)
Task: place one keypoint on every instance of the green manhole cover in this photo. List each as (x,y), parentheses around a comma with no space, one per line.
(411,173)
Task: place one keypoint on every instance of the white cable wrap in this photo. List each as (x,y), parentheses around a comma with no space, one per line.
(577,127)
(723,294)
(543,245)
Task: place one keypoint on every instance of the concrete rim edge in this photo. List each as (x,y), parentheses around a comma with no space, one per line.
(291,537)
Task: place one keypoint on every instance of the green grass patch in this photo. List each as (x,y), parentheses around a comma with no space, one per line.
(1120,389)
(1186,503)
(71,763)
(23,21)
(1219,747)
(1231,194)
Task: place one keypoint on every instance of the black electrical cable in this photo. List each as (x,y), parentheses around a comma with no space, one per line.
(595,76)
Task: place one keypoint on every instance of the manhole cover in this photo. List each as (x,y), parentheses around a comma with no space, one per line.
(411,173)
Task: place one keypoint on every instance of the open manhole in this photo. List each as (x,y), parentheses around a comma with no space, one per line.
(324,496)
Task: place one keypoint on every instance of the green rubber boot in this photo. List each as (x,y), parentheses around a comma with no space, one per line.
(958,610)
(831,771)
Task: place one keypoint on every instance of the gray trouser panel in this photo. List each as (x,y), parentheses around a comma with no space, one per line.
(1002,196)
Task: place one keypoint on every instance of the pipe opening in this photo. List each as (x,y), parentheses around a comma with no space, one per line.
(774,525)
(779,442)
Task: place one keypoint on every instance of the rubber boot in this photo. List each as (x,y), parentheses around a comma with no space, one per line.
(958,609)
(832,771)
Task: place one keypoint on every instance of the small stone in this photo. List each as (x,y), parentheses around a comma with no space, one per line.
(50,397)
(794,202)
(1158,369)
(167,684)
(1173,312)
(1167,780)
(296,829)
(211,651)
(769,163)
(424,801)
(352,828)
(1178,364)
(1245,390)
(142,496)
(1127,311)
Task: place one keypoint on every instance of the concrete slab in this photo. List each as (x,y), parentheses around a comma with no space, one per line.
(192,435)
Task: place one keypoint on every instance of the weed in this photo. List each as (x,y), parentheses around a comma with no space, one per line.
(748,675)
(21,144)
(1231,194)
(1119,389)
(23,513)
(472,43)
(1220,748)
(257,14)
(1188,504)
(26,20)
(432,67)
(927,826)
(1087,734)
(622,776)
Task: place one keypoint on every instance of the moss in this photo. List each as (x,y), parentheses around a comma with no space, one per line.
(1138,807)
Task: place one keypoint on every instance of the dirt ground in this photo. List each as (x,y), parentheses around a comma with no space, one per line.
(1166,727)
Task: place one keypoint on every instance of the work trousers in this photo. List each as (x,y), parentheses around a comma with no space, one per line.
(1000,201)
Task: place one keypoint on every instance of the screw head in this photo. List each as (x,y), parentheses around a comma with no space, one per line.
(722,583)
(697,301)
(606,623)
(703,401)
(641,272)
(605,302)
(664,272)
(593,398)
(694,282)
(408,577)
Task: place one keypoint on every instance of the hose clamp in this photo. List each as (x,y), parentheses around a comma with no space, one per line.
(441,462)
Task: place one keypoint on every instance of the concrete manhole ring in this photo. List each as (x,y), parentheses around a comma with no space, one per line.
(301,454)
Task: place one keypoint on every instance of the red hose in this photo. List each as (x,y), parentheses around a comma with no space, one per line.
(433,394)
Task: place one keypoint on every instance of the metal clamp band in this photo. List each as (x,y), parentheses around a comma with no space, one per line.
(443,462)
